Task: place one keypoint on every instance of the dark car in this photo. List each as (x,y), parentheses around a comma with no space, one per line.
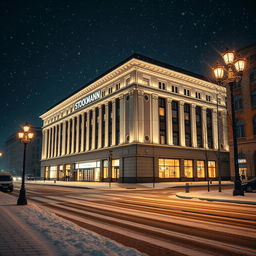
(249,185)
(6,181)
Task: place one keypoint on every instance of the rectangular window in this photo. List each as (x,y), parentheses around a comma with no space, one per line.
(90,128)
(110,89)
(174,89)
(162,120)
(208,97)
(85,124)
(161,85)
(175,122)
(103,126)
(186,92)
(209,127)
(200,170)
(146,81)
(211,169)
(169,168)
(187,119)
(117,86)
(105,169)
(238,102)
(96,127)
(198,95)
(188,168)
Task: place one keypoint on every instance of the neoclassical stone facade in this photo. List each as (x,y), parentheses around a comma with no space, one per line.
(160,122)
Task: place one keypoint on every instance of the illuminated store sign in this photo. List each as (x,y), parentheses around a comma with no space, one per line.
(87,100)
(86,165)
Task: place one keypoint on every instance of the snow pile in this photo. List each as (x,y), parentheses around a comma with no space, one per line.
(67,237)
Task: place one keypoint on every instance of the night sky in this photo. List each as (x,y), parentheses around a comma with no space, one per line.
(51,48)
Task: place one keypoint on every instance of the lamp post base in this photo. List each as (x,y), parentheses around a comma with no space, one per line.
(238,192)
(22,200)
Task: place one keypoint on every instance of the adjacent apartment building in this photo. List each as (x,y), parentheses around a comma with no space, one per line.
(245,107)
(13,154)
(161,123)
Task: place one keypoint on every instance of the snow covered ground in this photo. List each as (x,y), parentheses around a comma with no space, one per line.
(66,237)
(226,194)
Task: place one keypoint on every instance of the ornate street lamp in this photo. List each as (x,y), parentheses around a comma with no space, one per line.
(235,67)
(25,137)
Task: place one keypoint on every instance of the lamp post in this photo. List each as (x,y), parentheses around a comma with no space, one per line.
(235,67)
(25,137)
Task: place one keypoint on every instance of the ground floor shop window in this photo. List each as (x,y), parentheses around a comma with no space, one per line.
(61,172)
(87,171)
(200,169)
(115,169)
(46,175)
(212,169)
(169,168)
(188,168)
(53,172)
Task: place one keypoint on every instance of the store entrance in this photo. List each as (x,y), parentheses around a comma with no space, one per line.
(89,174)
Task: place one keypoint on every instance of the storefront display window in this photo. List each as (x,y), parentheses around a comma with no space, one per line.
(211,169)
(169,168)
(188,168)
(53,172)
(200,169)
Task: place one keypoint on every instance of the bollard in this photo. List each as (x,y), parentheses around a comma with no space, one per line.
(208,185)
(54,180)
(187,188)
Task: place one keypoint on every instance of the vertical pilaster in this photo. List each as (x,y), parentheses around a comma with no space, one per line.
(100,127)
(140,110)
(193,126)
(113,122)
(155,119)
(87,130)
(182,123)
(49,143)
(52,142)
(59,138)
(55,140)
(68,136)
(225,130)
(73,135)
(169,122)
(215,128)
(122,119)
(93,127)
(43,144)
(78,136)
(82,133)
(64,138)
(106,124)
(204,128)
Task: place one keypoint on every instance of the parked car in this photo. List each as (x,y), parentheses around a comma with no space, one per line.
(249,185)
(6,182)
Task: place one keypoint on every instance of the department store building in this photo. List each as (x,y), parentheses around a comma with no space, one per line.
(158,122)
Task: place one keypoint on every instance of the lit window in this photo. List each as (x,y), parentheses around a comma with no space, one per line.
(200,169)
(169,168)
(211,169)
(188,168)
(161,112)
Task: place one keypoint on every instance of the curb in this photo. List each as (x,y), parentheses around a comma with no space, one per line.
(218,200)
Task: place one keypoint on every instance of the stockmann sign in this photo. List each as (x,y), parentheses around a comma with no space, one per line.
(87,100)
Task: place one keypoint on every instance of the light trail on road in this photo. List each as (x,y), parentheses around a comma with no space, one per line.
(153,221)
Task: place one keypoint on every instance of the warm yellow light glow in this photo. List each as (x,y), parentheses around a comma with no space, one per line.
(1,154)
(30,135)
(218,71)
(26,128)
(229,57)
(240,64)
(20,135)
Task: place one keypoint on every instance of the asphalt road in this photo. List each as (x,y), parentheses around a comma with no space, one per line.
(154,221)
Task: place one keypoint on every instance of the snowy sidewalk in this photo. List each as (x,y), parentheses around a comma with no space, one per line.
(31,230)
(123,186)
(224,196)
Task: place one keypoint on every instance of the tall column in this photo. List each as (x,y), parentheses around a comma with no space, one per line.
(64,138)
(169,122)
(225,130)
(68,136)
(106,124)
(78,135)
(87,130)
(113,122)
(55,140)
(52,142)
(49,143)
(82,133)
(122,119)
(59,138)
(182,123)
(93,127)
(155,119)
(204,128)
(140,111)
(100,127)
(215,128)
(193,126)
(43,144)
(73,135)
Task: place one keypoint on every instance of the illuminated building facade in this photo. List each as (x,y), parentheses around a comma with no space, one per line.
(159,121)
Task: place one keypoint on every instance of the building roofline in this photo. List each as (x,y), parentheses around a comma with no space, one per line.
(138,57)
